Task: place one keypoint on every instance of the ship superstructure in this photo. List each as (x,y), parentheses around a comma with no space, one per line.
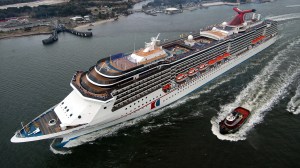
(124,86)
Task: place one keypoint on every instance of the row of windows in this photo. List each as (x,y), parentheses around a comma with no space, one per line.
(141,90)
(142,83)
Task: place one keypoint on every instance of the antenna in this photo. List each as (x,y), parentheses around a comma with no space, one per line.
(134,42)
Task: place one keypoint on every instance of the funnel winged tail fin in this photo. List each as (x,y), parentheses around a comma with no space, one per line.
(240,17)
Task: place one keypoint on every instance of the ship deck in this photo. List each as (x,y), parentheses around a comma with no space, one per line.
(42,125)
(87,89)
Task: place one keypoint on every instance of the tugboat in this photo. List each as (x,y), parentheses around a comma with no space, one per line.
(234,120)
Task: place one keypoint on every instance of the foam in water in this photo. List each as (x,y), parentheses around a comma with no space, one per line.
(262,93)
(285,17)
(59,151)
(292,6)
(294,104)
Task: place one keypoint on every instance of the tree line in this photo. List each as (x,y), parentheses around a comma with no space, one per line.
(44,11)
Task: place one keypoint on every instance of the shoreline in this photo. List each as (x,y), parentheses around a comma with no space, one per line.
(42,30)
(96,23)
(24,35)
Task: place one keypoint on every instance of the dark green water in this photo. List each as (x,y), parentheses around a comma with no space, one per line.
(35,77)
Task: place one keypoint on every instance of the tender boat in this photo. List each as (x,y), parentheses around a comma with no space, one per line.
(192,72)
(181,78)
(234,120)
(202,67)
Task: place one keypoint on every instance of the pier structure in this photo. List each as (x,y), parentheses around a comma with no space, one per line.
(60,28)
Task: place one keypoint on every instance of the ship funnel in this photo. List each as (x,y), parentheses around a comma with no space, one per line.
(240,17)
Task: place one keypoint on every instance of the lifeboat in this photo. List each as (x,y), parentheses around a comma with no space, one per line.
(219,59)
(202,67)
(181,78)
(192,72)
(211,62)
(234,120)
(167,87)
(226,55)
(258,39)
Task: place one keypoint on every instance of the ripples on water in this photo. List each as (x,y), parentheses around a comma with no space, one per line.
(294,104)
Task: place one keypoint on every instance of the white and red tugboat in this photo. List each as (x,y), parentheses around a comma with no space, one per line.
(234,120)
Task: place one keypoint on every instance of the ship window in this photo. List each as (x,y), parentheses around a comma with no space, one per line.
(67,110)
(79,117)
(52,122)
(65,107)
(62,102)
(125,108)
(71,115)
(104,107)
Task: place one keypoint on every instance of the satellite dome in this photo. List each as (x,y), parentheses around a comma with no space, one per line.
(190,37)
(224,23)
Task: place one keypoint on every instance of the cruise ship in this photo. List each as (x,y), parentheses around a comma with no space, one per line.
(125,86)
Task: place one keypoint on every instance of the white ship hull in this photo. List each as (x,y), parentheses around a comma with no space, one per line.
(143,105)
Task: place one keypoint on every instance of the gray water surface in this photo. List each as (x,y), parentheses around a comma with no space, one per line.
(35,77)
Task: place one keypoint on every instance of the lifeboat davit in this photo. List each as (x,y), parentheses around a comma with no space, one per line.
(181,77)
(234,120)
(202,67)
(192,72)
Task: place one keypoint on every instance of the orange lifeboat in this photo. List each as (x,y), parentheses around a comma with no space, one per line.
(219,58)
(226,55)
(166,87)
(211,62)
(192,72)
(202,67)
(181,77)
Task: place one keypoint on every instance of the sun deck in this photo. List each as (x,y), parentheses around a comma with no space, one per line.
(88,89)
(48,123)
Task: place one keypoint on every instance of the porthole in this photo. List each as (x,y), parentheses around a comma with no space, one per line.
(67,110)
(79,117)
(104,107)
(52,122)
(71,115)
(65,107)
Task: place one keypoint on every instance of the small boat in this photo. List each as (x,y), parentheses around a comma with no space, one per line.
(234,120)
(166,88)
(202,67)
(181,78)
(192,72)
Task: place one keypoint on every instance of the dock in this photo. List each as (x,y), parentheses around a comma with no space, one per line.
(60,28)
